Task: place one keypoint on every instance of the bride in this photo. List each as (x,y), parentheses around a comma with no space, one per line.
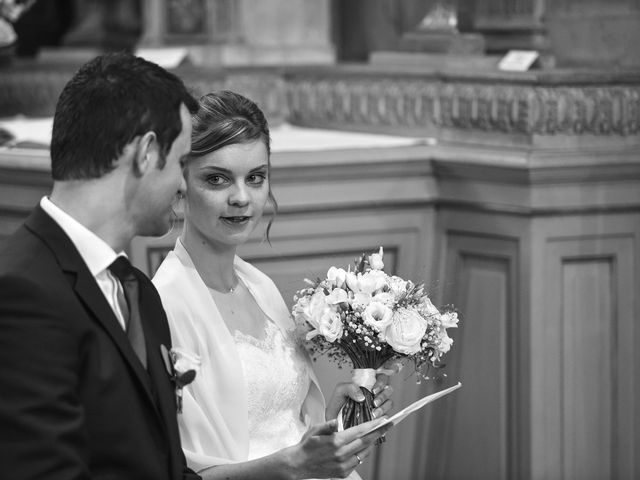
(255,409)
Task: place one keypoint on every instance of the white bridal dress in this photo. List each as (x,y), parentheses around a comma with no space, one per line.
(251,397)
(277,382)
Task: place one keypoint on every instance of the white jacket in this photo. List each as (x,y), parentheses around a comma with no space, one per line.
(214,420)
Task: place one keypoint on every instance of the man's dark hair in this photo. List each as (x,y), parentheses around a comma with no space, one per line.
(108,102)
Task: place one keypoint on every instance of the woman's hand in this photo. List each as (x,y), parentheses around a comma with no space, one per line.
(341,394)
(324,452)
(382,392)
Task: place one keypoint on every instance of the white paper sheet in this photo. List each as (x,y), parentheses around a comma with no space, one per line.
(417,405)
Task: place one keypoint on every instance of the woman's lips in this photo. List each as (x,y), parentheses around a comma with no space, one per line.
(239,220)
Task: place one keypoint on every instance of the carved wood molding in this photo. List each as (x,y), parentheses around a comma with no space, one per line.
(432,104)
(447,107)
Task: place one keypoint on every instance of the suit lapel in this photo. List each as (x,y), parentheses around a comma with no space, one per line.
(87,290)
(156,334)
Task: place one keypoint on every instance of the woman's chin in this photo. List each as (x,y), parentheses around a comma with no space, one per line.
(236,235)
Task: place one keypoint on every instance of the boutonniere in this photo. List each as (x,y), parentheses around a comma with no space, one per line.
(182,367)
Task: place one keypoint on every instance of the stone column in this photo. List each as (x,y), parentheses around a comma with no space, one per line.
(511,24)
(243,32)
(596,33)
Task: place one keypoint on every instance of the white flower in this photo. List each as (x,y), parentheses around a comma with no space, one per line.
(380,278)
(445,343)
(7,33)
(337,295)
(428,308)
(362,299)
(330,325)
(337,276)
(352,282)
(316,308)
(449,319)
(375,260)
(397,285)
(301,308)
(183,361)
(368,282)
(406,330)
(182,367)
(377,315)
(384,297)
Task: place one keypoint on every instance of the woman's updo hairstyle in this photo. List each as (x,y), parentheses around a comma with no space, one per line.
(227,118)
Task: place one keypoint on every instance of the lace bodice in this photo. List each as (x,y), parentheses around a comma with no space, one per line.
(277,382)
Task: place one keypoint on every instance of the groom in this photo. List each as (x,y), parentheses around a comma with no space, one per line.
(84,390)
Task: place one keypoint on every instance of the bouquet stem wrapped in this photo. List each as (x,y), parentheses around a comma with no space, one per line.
(367,317)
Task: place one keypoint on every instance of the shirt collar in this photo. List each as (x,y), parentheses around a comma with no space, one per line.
(95,252)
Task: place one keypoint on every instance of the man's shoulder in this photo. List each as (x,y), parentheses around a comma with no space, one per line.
(21,249)
(26,261)
(34,246)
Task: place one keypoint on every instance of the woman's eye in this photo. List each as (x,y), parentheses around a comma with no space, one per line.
(215,179)
(256,179)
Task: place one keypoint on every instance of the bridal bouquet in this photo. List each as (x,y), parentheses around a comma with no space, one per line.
(367,317)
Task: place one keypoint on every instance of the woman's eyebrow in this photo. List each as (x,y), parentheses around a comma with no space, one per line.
(227,171)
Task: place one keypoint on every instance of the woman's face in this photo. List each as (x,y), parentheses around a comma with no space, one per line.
(227,191)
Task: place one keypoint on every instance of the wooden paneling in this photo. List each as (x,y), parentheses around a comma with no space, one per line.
(538,249)
(584,353)
(481,280)
(589,324)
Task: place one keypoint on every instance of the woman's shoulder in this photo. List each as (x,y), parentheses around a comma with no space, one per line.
(253,276)
(178,284)
(248,269)
(168,271)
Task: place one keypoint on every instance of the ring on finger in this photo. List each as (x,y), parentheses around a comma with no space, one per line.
(359,459)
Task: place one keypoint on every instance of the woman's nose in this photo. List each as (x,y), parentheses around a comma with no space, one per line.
(239,195)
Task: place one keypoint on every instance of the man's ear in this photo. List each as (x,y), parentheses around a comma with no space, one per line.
(147,154)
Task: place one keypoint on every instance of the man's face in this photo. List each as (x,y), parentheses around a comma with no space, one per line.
(163,184)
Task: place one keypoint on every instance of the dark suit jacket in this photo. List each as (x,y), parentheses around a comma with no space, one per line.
(75,401)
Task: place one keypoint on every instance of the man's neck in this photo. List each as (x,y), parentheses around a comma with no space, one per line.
(95,206)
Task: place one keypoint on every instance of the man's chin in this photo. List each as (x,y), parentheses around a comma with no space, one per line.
(160,228)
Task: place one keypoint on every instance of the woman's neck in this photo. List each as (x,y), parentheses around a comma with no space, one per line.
(213,263)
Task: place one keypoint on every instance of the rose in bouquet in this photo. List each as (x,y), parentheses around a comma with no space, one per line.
(367,317)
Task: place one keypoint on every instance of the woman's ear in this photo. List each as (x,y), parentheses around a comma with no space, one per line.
(147,154)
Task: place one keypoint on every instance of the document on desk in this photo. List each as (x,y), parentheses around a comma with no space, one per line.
(417,405)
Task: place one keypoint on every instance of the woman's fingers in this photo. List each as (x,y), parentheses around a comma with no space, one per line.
(326,428)
(357,458)
(382,381)
(383,402)
(324,453)
(341,393)
(365,433)
(353,391)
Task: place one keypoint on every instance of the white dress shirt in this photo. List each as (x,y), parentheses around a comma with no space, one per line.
(95,252)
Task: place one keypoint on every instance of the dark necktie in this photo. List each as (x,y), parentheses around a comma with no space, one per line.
(123,271)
